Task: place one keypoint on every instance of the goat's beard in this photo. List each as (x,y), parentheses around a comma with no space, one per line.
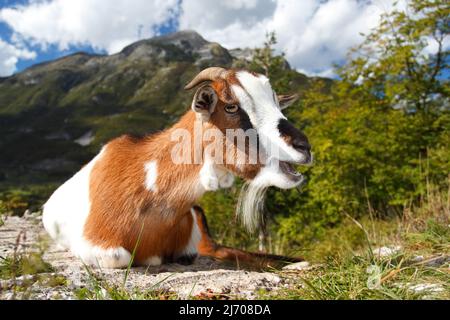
(250,207)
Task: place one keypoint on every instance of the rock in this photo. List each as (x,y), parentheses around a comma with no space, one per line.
(438,261)
(86,139)
(384,252)
(301,266)
(243,54)
(417,259)
(426,291)
(426,287)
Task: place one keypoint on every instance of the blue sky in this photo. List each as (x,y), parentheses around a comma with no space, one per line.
(314,34)
(52,51)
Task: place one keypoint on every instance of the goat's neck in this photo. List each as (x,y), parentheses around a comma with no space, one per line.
(179,185)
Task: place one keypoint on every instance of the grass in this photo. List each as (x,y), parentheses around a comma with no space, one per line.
(98,288)
(26,266)
(15,201)
(23,260)
(346,263)
(346,273)
(420,270)
(23,264)
(108,292)
(359,277)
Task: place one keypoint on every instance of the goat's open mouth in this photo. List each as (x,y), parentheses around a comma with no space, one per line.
(289,170)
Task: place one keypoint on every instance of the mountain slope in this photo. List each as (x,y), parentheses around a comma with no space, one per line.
(54,116)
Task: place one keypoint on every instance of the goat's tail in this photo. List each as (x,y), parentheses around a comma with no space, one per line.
(209,248)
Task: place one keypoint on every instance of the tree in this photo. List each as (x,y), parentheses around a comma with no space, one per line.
(394,62)
(382,133)
(274,66)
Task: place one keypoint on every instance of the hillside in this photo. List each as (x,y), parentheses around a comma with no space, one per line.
(54,116)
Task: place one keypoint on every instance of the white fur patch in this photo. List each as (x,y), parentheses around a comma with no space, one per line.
(256,97)
(111,258)
(191,247)
(208,176)
(251,199)
(271,175)
(213,177)
(67,209)
(65,214)
(151,174)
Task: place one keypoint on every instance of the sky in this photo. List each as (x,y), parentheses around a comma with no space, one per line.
(314,34)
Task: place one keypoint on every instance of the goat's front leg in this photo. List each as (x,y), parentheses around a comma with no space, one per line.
(209,248)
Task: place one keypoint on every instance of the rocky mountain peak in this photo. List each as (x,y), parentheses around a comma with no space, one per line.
(187,44)
(186,40)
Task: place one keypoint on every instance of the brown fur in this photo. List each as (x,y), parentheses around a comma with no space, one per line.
(121,205)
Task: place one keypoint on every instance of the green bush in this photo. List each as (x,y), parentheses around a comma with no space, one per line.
(380,133)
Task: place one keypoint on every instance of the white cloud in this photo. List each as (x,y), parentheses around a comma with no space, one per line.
(313,34)
(10,55)
(104,24)
(237,23)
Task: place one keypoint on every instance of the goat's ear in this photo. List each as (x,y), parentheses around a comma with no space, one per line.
(204,102)
(287,100)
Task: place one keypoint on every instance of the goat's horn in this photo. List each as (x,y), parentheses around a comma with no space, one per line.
(209,74)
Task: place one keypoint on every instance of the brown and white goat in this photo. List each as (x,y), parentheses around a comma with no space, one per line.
(134,196)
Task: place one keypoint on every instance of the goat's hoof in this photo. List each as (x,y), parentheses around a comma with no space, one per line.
(186,259)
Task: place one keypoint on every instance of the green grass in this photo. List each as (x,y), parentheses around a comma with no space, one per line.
(361,278)
(349,269)
(16,200)
(98,288)
(29,265)
(23,264)
(103,292)
(24,259)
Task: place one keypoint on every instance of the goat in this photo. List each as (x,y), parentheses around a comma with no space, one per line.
(135,196)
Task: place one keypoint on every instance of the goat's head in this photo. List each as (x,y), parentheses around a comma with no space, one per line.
(230,100)
(236,99)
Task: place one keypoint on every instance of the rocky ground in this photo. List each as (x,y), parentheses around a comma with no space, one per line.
(67,278)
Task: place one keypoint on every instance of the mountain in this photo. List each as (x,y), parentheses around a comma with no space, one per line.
(54,116)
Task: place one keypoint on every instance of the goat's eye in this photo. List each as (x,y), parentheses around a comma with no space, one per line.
(231,108)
